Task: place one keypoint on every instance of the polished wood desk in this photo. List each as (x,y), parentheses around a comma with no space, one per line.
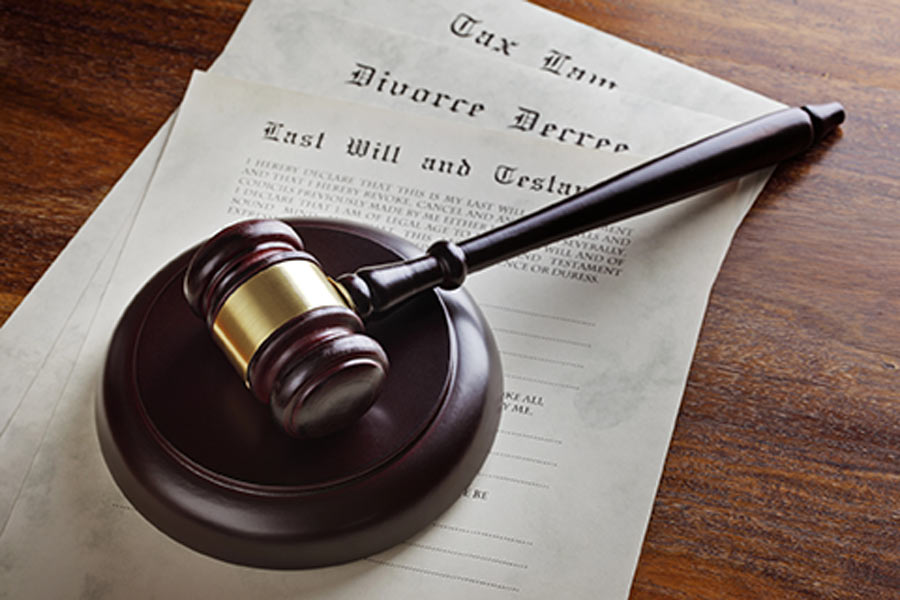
(783,478)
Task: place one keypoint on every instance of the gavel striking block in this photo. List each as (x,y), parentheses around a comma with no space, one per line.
(206,463)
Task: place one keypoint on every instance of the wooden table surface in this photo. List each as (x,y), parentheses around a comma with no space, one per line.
(783,478)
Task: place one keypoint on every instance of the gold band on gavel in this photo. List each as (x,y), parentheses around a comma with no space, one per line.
(265,302)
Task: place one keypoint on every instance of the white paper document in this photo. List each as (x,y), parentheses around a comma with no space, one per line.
(282,43)
(42,339)
(535,74)
(596,335)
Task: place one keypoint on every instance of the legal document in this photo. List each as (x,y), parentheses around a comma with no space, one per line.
(596,335)
(502,39)
(280,44)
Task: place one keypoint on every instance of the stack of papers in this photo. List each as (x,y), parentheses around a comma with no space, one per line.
(432,120)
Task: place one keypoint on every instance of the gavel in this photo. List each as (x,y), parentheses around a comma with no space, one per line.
(296,336)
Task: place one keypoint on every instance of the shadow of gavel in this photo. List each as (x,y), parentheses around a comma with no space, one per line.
(296,336)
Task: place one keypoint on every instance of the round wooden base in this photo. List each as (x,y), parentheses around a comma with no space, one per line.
(200,458)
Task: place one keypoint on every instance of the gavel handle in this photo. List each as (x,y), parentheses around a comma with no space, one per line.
(674,176)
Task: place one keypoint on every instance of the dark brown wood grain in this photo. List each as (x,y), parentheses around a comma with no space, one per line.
(783,478)
(84,87)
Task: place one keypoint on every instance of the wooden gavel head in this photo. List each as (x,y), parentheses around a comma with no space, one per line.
(289,331)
